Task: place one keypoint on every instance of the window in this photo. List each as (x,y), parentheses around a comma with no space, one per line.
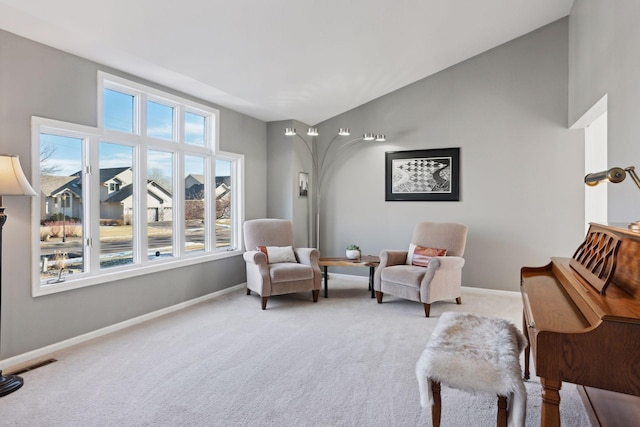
(119,111)
(117,206)
(160,122)
(195,129)
(108,208)
(160,224)
(223,193)
(61,230)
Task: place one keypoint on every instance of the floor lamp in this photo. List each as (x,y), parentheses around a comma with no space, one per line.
(318,164)
(12,183)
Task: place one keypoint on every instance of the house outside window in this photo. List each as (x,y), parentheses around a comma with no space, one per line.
(108,202)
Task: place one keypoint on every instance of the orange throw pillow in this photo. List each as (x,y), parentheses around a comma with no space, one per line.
(263,249)
(422,255)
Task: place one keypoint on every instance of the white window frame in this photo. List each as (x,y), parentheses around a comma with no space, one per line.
(93,275)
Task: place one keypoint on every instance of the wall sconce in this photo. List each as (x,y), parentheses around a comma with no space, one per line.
(615,175)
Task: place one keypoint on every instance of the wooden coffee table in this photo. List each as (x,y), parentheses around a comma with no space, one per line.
(370,261)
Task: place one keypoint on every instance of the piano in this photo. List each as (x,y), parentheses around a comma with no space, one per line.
(582,319)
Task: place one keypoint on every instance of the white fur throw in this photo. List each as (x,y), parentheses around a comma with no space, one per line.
(476,354)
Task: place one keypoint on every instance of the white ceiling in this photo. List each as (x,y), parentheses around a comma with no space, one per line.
(307,60)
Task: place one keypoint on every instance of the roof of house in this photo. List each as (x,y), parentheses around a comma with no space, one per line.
(51,185)
(109,173)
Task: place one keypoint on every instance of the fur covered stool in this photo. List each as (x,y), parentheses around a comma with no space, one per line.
(475,354)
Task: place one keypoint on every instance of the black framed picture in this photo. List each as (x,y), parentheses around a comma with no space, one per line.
(423,175)
(303,184)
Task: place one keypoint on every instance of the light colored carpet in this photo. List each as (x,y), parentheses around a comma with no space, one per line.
(344,361)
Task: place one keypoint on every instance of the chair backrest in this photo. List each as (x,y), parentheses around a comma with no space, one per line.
(267,232)
(441,235)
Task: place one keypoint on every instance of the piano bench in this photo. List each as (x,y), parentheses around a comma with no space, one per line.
(475,354)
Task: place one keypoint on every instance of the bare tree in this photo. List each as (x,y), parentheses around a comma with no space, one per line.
(194,206)
(223,208)
(158,176)
(46,153)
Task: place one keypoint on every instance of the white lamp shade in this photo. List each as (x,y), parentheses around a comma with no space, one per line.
(12,179)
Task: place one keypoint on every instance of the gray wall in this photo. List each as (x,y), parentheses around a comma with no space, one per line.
(605,59)
(42,81)
(521,168)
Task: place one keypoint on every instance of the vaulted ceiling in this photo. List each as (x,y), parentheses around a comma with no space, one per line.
(307,60)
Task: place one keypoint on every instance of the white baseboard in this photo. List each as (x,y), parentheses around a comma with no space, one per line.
(20,360)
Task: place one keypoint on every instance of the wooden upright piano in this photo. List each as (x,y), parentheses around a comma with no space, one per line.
(582,319)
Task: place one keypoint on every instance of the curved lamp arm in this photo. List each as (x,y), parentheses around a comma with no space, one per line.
(309,147)
(614,175)
(324,157)
(634,176)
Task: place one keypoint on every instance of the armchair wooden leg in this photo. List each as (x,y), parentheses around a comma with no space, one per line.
(379,296)
(248,291)
(315,293)
(264,302)
(427,309)
(459,300)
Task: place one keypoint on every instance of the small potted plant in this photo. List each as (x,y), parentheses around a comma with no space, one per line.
(353,252)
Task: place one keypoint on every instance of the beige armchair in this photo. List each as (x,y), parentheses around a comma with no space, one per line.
(286,270)
(440,279)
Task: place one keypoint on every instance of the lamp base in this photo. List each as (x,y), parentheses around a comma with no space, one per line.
(9,383)
(635,226)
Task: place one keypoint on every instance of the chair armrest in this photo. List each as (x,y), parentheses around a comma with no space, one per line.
(442,263)
(442,279)
(255,257)
(308,256)
(448,262)
(311,257)
(391,257)
(388,258)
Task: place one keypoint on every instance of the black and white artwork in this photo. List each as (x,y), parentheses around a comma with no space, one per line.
(423,175)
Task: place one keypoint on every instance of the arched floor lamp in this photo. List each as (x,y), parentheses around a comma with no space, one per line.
(12,183)
(321,165)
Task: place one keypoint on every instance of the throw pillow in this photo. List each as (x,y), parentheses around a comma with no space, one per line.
(277,254)
(263,249)
(412,248)
(422,255)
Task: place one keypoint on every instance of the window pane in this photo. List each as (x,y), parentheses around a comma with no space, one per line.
(159,204)
(223,203)
(159,121)
(194,205)
(194,129)
(118,111)
(116,205)
(61,209)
